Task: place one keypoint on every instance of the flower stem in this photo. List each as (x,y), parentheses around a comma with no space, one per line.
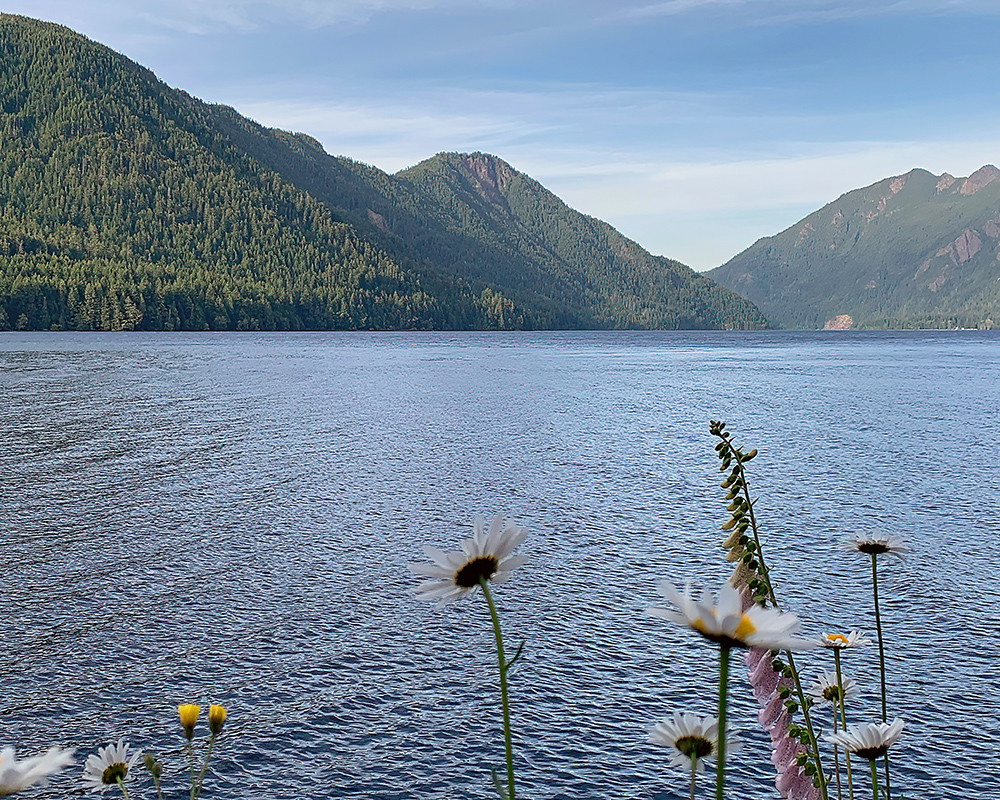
(190,753)
(694,765)
(814,743)
(874,780)
(836,754)
(121,783)
(878,629)
(159,787)
(723,689)
(881,658)
(765,575)
(843,719)
(196,787)
(504,666)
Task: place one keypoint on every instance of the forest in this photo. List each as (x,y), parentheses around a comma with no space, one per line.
(128,205)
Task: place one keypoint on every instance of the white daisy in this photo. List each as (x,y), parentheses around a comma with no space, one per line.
(17,775)
(485,555)
(840,641)
(870,740)
(727,624)
(871,544)
(110,763)
(692,738)
(826,690)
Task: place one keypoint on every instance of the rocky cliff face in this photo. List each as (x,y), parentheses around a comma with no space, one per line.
(980,178)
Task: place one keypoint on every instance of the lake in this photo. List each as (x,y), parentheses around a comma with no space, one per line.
(229,518)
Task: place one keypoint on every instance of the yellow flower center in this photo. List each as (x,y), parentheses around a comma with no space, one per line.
(837,637)
(745,628)
(479,567)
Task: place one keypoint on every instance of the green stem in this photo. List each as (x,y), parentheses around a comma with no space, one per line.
(881,658)
(508,747)
(121,783)
(813,741)
(190,753)
(874,779)
(765,574)
(836,755)
(843,719)
(878,629)
(196,792)
(694,769)
(723,690)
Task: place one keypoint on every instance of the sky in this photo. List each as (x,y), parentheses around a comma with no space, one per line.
(695,127)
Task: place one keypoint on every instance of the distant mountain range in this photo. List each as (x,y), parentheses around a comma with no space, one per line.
(125,204)
(917,250)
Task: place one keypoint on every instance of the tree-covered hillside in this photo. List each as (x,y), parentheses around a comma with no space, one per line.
(917,250)
(477,218)
(125,204)
(579,261)
(122,205)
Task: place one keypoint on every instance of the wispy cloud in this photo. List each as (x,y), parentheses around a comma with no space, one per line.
(669,119)
(694,202)
(703,212)
(239,16)
(773,12)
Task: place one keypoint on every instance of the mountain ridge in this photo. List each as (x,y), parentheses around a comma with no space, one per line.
(912,250)
(128,204)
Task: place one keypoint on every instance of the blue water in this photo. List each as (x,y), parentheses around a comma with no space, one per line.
(228,518)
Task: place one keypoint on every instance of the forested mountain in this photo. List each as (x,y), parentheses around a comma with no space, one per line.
(914,251)
(125,204)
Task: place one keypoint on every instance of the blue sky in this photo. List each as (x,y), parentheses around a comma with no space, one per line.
(693,126)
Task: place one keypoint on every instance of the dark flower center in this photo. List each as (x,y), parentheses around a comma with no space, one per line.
(479,567)
(873,548)
(831,693)
(871,753)
(113,772)
(694,746)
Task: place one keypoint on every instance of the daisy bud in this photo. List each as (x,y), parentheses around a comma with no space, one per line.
(188,713)
(155,767)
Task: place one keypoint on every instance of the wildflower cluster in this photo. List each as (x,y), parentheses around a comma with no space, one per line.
(744,615)
(113,765)
(776,681)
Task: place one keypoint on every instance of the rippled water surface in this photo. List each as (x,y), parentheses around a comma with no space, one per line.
(229,518)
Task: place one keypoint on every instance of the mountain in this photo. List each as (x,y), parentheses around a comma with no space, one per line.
(126,204)
(913,251)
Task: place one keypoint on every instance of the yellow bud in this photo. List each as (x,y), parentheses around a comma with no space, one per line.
(188,713)
(216,717)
